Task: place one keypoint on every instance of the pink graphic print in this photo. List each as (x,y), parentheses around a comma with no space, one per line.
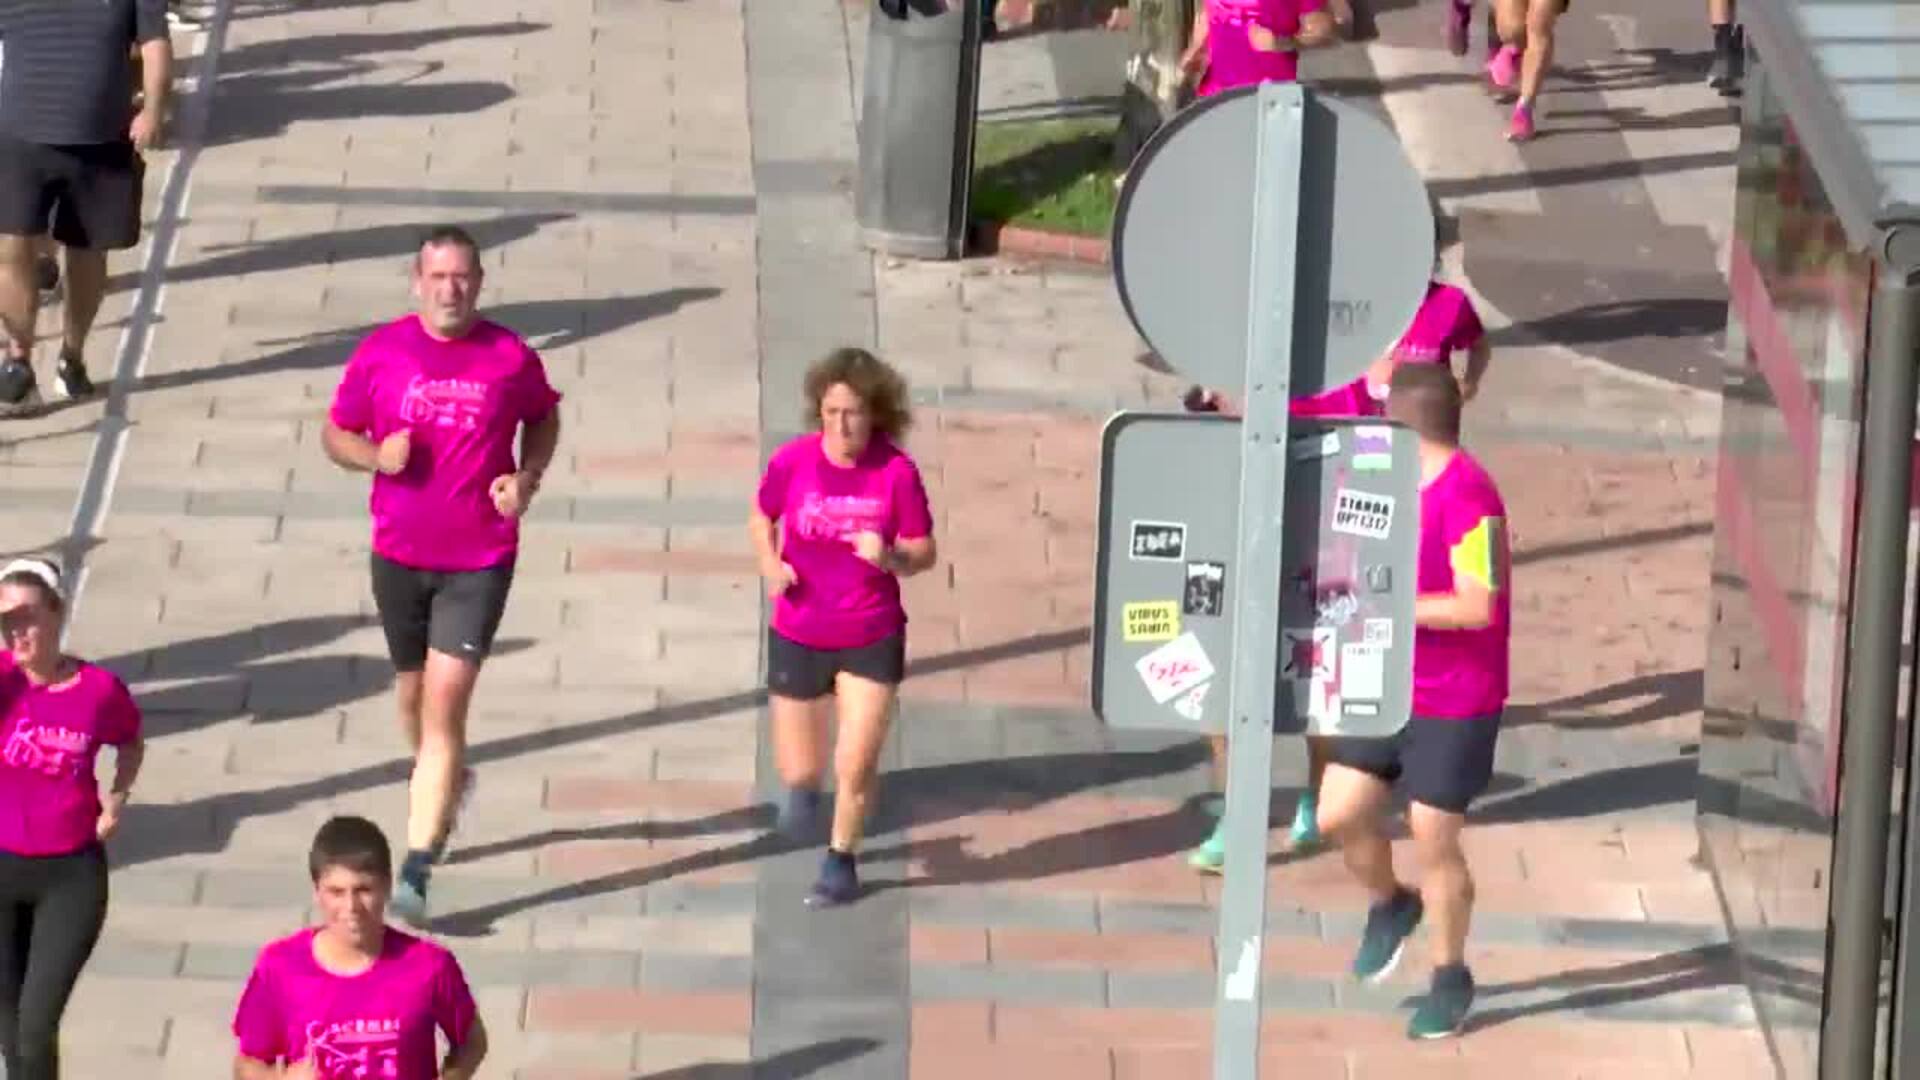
(444,403)
(355,1049)
(50,751)
(837,517)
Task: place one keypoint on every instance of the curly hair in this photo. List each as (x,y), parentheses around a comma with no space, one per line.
(880,388)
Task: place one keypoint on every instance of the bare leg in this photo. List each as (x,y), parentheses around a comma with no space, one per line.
(447,691)
(1538,58)
(407,692)
(86,287)
(1351,803)
(866,715)
(19,295)
(800,740)
(1446,884)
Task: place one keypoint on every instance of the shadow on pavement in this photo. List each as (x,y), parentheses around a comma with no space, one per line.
(1667,694)
(1702,968)
(545,324)
(1685,317)
(791,1065)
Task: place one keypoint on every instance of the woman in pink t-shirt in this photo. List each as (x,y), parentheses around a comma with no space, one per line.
(1247,42)
(57,713)
(354,997)
(840,517)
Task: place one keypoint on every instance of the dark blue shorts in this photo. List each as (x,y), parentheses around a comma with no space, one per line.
(1440,762)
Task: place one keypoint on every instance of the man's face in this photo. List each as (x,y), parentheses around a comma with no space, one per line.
(446,282)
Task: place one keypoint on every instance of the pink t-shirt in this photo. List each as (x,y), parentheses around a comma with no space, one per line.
(1445,323)
(464,401)
(378,1024)
(1232,61)
(49,799)
(841,601)
(1460,674)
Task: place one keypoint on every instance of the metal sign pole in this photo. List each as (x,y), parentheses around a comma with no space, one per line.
(1257,556)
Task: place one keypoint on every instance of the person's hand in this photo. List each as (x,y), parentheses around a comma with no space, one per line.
(393,453)
(299,1070)
(1266,41)
(513,493)
(1342,12)
(148,131)
(779,579)
(1193,62)
(1380,373)
(109,821)
(1469,386)
(870,547)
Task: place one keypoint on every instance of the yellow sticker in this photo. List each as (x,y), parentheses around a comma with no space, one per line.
(1157,621)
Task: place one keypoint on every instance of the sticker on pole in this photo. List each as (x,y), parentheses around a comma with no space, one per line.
(1372,449)
(1193,706)
(1206,589)
(1164,541)
(1175,668)
(1360,513)
(1155,621)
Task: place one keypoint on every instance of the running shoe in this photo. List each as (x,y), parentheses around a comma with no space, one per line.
(1443,1012)
(1389,925)
(800,814)
(19,389)
(1520,129)
(75,383)
(1503,68)
(1459,20)
(409,901)
(1729,66)
(46,274)
(1306,822)
(462,798)
(1211,856)
(839,881)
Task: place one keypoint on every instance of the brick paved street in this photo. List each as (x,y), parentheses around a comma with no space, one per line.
(664,189)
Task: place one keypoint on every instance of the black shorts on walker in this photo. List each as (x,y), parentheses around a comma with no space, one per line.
(804,673)
(451,612)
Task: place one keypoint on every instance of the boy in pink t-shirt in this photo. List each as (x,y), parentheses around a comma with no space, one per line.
(434,405)
(1239,43)
(1443,758)
(353,998)
(840,517)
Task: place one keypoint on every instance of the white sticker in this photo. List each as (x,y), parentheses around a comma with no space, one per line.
(1307,655)
(1244,979)
(1194,705)
(1372,449)
(1175,668)
(1361,513)
(1362,708)
(1363,672)
(1378,632)
(1315,447)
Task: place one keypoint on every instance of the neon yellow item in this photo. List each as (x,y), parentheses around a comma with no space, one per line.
(1475,557)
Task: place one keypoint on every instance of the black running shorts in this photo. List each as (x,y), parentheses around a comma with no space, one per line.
(804,673)
(1442,763)
(90,193)
(451,612)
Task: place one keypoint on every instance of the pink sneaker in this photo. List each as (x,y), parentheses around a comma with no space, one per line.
(1503,69)
(1520,128)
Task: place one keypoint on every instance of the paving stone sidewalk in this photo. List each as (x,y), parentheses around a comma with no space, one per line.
(663,188)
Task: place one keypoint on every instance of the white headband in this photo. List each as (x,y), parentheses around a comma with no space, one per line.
(39,569)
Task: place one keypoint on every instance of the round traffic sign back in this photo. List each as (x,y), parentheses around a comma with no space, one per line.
(1183,241)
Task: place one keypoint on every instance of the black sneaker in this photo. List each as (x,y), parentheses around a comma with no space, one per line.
(1443,1012)
(75,383)
(839,881)
(19,389)
(1389,925)
(409,900)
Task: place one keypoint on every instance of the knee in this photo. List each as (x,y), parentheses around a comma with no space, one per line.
(1539,28)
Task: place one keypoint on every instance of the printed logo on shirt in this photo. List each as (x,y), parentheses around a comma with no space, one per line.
(355,1049)
(457,404)
(837,517)
(46,749)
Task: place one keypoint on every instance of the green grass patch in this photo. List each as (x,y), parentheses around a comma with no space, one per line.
(1046,174)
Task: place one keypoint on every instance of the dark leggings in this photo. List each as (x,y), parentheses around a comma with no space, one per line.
(51,911)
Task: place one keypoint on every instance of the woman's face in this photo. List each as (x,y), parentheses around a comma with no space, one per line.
(845,423)
(29,624)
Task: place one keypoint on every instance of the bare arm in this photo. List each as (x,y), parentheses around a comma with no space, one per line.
(246,1068)
(537,443)
(1478,358)
(1468,607)
(156,66)
(464,1063)
(349,449)
(909,557)
(763,531)
(1316,29)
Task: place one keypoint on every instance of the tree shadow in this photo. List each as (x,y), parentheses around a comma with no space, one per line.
(1666,694)
(1703,968)
(1624,320)
(325,49)
(1006,189)
(789,1065)
(545,324)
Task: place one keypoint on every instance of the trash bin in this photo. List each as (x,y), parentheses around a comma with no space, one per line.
(916,126)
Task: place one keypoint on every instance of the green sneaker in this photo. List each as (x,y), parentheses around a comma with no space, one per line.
(1306,822)
(1389,925)
(1211,856)
(1443,1012)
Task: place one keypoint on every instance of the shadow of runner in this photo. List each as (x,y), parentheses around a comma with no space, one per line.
(791,1065)
(1703,968)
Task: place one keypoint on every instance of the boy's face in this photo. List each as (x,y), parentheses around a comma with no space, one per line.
(351,904)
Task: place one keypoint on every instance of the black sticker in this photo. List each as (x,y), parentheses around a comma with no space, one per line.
(1159,540)
(1380,579)
(1206,589)
(1302,582)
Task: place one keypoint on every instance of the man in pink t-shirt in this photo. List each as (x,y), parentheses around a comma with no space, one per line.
(1443,759)
(433,404)
(352,998)
(841,516)
(1239,43)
